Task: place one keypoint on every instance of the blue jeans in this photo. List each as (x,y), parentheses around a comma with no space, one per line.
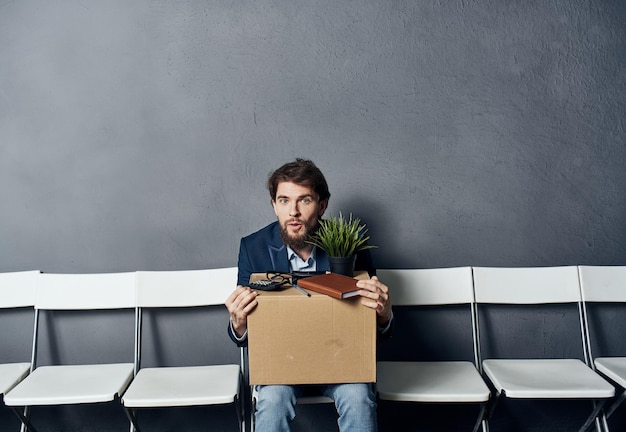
(355,404)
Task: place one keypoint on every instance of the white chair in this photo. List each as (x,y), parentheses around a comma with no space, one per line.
(433,381)
(184,386)
(69,384)
(17,290)
(539,378)
(604,284)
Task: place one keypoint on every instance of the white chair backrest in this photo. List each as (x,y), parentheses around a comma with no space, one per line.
(17,289)
(603,283)
(185,288)
(424,287)
(86,291)
(526,285)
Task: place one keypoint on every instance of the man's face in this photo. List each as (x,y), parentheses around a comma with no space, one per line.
(298,209)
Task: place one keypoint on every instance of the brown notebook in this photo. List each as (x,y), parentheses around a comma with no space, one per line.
(332,284)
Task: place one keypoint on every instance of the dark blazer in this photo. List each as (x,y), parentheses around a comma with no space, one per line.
(264,251)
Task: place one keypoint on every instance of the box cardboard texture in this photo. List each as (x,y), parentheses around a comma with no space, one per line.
(295,339)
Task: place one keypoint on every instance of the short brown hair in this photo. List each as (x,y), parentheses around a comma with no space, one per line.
(302,172)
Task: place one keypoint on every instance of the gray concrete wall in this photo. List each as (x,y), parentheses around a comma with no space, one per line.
(138,135)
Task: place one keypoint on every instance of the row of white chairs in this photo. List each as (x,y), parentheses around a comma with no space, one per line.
(25,385)
(481,382)
(485,381)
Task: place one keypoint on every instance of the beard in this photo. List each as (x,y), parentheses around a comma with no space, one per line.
(298,242)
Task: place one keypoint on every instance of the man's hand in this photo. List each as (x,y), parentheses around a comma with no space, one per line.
(376,296)
(239,304)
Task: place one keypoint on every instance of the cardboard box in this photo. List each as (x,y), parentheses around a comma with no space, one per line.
(295,339)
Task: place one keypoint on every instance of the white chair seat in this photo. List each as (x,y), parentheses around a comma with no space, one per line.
(614,368)
(183,386)
(546,379)
(69,384)
(11,374)
(430,382)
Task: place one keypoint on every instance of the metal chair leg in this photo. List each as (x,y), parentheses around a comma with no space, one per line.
(23,416)
(481,417)
(616,402)
(592,417)
(26,414)
(485,425)
(605,424)
(252,411)
(132,417)
(238,412)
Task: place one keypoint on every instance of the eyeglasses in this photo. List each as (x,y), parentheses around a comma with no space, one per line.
(272,281)
(278,278)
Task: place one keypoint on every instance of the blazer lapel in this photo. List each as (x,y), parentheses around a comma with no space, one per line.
(321,260)
(278,256)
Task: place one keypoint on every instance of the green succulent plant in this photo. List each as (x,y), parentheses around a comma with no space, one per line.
(341,237)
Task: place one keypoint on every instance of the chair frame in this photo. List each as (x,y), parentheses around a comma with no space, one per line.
(531,277)
(444,289)
(151,294)
(45,301)
(603,284)
(17,290)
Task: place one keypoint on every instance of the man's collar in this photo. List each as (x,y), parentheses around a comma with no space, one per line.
(291,254)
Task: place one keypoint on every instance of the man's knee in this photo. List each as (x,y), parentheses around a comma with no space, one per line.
(275,396)
(354,395)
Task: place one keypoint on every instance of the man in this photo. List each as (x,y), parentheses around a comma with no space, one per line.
(299,195)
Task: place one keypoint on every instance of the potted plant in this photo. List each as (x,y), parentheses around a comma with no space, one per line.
(341,239)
